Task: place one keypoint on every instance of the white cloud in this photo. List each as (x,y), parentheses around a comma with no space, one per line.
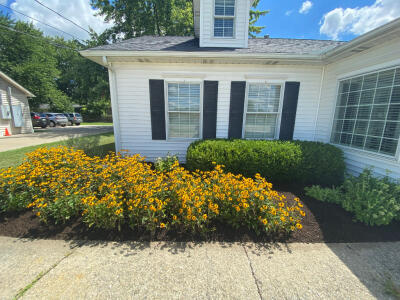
(360,19)
(79,11)
(4,2)
(305,7)
(288,13)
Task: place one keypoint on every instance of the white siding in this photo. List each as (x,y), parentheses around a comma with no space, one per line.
(240,40)
(17,97)
(385,55)
(132,93)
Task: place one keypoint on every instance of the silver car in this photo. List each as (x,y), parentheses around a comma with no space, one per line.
(56,119)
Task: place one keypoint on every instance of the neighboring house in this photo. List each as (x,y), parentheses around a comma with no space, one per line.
(14,108)
(168,91)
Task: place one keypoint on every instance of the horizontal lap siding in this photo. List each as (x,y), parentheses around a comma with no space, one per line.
(374,58)
(16,98)
(132,84)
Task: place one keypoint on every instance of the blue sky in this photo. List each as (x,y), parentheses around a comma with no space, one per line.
(303,19)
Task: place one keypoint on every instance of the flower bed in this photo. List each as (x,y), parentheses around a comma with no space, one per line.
(120,190)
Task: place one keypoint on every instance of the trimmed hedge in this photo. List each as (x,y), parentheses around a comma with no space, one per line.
(279,161)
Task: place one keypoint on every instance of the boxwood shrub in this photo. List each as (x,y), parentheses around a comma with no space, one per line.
(279,161)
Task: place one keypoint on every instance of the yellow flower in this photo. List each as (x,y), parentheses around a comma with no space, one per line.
(162,225)
(205,217)
(299,226)
(174,218)
(265,221)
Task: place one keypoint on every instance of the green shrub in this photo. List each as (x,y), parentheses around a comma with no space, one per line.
(374,201)
(279,161)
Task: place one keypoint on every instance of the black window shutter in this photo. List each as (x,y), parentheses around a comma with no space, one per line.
(157,108)
(210,100)
(289,108)
(238,91)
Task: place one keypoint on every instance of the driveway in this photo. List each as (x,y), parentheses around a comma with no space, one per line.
(48,135)
(56,269)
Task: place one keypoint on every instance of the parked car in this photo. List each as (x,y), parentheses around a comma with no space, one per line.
(74,118)
(56,119)
(39,121)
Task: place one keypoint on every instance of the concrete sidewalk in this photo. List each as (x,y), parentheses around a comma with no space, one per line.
(48,135)
(49,269)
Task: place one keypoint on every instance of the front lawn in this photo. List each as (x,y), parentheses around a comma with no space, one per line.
(96,144)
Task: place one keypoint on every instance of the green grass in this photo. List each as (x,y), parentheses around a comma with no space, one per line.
(96,123)
(99,145)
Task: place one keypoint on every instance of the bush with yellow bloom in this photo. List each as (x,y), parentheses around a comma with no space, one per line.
(122,190)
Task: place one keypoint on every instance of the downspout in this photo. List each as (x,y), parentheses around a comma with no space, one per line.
(114,102)
(319,102)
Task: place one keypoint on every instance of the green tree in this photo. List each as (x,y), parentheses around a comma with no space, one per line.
(133,18)
(31,60)
(255,15)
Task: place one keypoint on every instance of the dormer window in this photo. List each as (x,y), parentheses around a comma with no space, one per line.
(224,18)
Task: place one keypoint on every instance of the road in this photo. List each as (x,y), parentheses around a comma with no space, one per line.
(48,135)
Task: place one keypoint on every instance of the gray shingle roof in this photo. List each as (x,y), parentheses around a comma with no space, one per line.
(190,44)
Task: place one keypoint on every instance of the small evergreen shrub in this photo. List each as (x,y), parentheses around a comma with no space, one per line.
(278,161)
(374,201)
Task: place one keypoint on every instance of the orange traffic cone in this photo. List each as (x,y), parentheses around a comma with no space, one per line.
(6,133)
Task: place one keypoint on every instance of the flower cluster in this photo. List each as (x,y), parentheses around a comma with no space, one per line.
(119,189)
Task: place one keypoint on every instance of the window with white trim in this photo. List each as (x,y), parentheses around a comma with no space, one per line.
(367,113)
(224,18)
(183,110)
(262,111)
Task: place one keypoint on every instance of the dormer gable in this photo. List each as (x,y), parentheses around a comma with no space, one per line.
(222,23)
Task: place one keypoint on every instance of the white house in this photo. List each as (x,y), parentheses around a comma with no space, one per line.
(168,91)
(14,107)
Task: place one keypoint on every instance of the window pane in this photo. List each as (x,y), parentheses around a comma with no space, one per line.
(389,146)
(395,95)
(355,84)
(263,98)
(370,81)
(367,115)
(385,78)
(392,130)
(223,27)
(344,86)
(224,7)
(183,110)
(260,126)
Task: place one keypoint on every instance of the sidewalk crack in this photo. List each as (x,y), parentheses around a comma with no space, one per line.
(256,281)
(22,291)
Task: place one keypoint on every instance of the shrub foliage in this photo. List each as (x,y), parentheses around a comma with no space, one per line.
(61,183)
(374,201)
(278,161)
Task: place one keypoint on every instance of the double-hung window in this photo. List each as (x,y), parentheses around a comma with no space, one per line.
(183,110)
(367,113)
(262,111)
(224,18)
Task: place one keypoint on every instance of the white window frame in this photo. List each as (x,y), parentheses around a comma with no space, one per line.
(279,113)
(183,81)
(224,17)
(364,72)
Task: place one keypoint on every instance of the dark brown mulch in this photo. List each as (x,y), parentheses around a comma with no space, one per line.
(323,223)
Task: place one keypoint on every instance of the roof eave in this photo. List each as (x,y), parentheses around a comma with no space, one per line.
(197,55)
